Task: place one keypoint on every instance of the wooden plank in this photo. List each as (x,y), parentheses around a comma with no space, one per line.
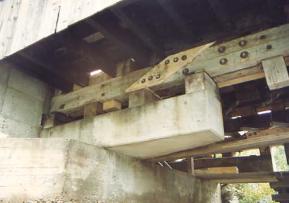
(262,138)
(139,31)
(136,51)
(218,170)
(276,72)
(111,105)
(240,76)
(280,184)
(283,197)
(244,164)
(221,13)
(208,61)
(252,177)
(176,18)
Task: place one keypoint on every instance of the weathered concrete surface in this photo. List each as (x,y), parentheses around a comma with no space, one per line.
(155,129)
(22,100)
(45,17)
(62,170)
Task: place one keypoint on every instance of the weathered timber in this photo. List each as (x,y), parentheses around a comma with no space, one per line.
(209,61)
(252,177)
(276,72)
(218,170)
(244,164)
(283,197)
(262,138)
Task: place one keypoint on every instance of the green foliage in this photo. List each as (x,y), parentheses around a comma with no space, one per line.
(254,192)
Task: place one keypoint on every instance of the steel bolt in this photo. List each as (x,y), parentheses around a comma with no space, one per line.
(143,80)
(269,46)
(176,59)
(221,49)
(243,43)
(158,76)
(150,77)
(223,61)
(263,37)
(167,61)
(186,71)
(184,57)
(244,54)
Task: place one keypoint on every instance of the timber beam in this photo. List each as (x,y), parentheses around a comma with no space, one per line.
(263,138)
(251,177)
(222,62)
(244,164)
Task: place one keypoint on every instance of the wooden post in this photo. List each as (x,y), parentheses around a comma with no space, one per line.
(49,121)
(286,146)
(92,109)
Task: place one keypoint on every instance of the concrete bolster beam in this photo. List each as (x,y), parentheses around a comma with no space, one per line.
(158,128)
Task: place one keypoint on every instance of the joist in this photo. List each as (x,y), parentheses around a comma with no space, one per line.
(251,177)
(244,164)
(262,138)
(216,63)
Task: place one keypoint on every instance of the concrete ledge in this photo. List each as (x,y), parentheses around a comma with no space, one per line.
(61,170)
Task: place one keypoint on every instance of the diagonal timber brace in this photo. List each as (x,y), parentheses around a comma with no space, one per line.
(228,63)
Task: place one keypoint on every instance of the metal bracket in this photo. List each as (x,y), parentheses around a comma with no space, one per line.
(166,68)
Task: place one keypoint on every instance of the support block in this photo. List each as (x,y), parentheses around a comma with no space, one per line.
(276,72)
(92,109)
(111,105)
(141,98)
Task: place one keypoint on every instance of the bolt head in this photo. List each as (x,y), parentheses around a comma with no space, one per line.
(244,54)
(269,46)
(184,57)
(221,49)
(242,43)
(223,61)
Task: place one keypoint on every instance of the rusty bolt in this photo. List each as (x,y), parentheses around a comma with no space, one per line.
(223,61)
(242,43)
(269,46)
(221,49)
(158,76)
(167,61)
(186,71)
(176,59)
(263,37)
(244,54)
(150,77)
(143,80)
(184,57)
